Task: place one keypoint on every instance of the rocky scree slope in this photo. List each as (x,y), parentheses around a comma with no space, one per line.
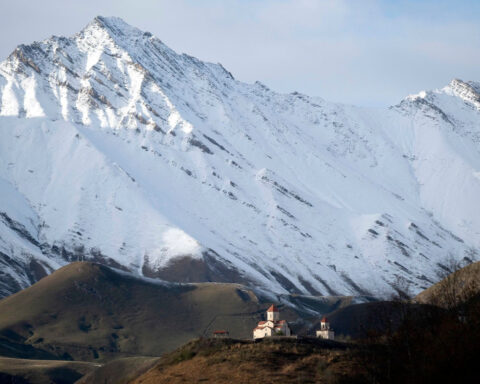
(116,149)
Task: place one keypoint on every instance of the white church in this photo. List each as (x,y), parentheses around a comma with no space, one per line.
(325,332)
(273,326)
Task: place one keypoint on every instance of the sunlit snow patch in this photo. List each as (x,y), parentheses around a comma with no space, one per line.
(176,243)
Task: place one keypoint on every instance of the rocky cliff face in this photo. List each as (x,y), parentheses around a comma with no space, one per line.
(117,149)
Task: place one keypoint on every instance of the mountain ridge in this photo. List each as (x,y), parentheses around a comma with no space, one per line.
(116,149)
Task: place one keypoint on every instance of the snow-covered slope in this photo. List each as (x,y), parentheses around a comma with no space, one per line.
(115,148)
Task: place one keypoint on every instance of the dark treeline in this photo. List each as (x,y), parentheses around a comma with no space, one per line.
(437,342)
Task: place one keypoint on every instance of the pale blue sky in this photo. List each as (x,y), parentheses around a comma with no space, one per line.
(368,52)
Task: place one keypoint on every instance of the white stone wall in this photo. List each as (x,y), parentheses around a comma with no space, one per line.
(326,334)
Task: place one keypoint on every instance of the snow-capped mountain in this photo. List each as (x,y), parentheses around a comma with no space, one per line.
(115,148)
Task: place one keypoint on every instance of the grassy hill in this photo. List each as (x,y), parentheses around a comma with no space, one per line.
(22,371)
(119,371)
(89,312)
(267,361)
(459,286)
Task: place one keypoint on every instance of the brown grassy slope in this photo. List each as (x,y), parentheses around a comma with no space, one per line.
(17,349)
(458,287)
(86,311)
(41,371)
(269,361)
(119,371)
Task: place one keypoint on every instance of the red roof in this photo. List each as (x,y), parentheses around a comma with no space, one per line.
(272,308)
(262,328)
(324,320)
(220,332)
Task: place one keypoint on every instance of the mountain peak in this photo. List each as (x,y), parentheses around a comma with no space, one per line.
(111,21)
(114,29)
(115,26)
(468,91)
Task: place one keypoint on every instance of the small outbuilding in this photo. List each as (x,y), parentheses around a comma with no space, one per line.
(220,334)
